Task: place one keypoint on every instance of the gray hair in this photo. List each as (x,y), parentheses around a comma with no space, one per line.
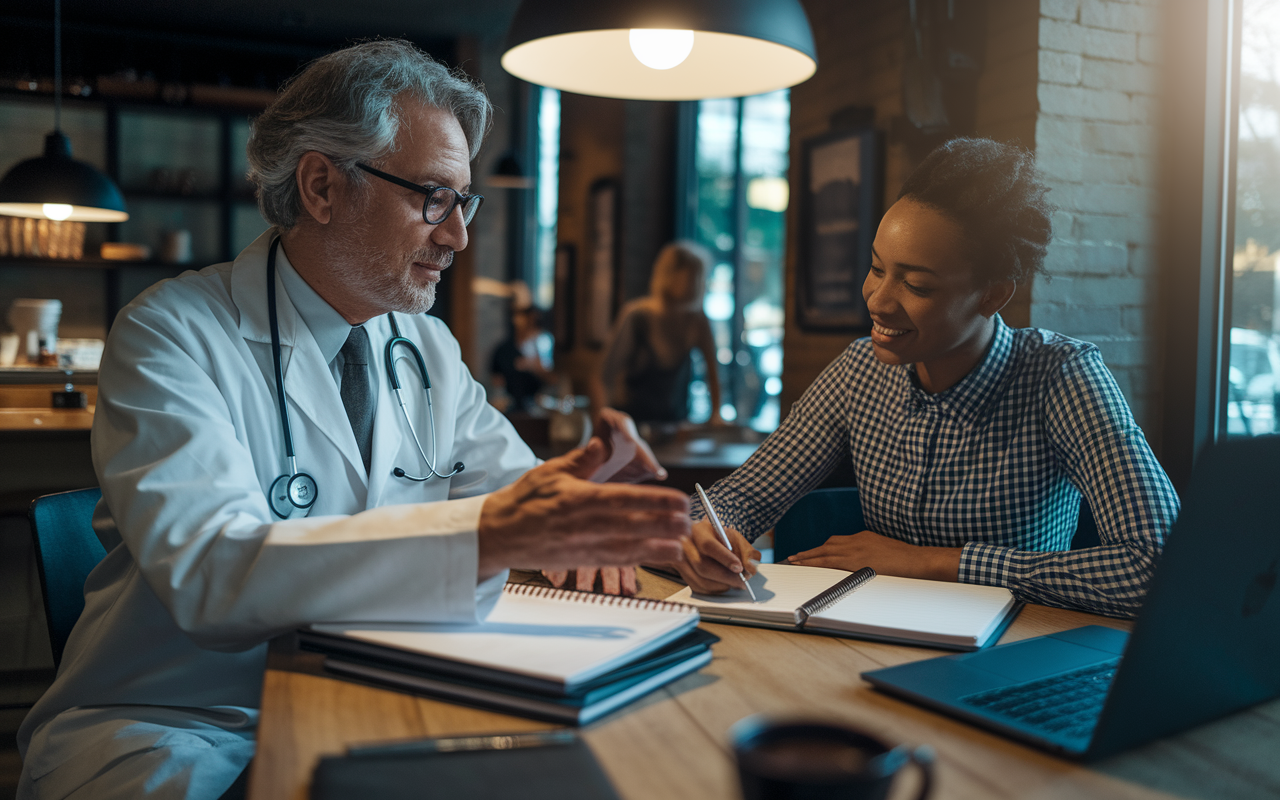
(344,106)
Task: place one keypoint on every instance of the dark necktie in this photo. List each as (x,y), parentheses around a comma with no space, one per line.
(356,397)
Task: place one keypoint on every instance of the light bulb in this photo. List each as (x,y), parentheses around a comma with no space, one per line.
(659,48)
(57,211)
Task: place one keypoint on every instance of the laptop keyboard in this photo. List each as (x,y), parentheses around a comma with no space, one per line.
(1067,704)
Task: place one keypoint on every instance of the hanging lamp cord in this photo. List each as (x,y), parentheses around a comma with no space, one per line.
(57,65)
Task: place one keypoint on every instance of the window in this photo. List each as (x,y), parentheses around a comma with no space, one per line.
(737,198)
(1253,371)
(542,280)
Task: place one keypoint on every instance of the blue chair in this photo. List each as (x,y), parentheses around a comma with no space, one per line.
(823,512)
(67,550)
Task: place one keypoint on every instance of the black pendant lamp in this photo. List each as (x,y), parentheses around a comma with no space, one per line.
(55,185)
(661,49)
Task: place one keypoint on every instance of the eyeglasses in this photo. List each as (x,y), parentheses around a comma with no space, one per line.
(440,200)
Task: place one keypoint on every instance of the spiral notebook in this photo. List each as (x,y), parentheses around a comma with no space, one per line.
(863,605)
(538,639)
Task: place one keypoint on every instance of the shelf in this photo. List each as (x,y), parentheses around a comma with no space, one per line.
(82,263)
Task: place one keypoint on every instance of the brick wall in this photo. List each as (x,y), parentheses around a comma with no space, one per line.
(1095,141)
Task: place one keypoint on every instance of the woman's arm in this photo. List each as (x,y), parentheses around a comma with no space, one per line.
(617,353)
(1106,457)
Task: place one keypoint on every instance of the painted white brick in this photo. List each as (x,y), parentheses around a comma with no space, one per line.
(1058,67)
(1117,16)
(1054,167)
(1144,258)
(1144,109)
(1117,169)
(1107,199)
(1134,318)
(1064,224)
(1112,45)
(1091,290)
(1087,258)
(1099,104)
(1149,49)
(1077,320)
(1120,229)
(1059,134)
(1104,137)
(1060,9)
(1121,76)
(1066,37)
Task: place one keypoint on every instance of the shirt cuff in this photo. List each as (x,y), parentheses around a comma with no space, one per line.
(985,564)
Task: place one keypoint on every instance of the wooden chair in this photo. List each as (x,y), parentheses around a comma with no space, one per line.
(67,550)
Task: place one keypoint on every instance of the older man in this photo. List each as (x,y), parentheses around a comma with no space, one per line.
(260,473)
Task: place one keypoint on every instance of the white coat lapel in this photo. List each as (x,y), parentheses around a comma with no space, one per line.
(308,383)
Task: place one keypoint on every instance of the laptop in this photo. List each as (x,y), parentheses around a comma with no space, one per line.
(1206,643)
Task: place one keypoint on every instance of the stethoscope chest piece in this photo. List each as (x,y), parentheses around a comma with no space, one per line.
(292,496)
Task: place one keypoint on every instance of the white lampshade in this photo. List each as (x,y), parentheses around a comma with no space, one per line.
(739,47)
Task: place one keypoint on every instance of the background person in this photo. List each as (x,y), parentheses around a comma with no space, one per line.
(524,362)
(972,442)
(647,365)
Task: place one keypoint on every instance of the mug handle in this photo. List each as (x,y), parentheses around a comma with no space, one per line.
(923,758)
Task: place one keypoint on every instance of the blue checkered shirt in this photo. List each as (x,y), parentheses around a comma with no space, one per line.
(996,464)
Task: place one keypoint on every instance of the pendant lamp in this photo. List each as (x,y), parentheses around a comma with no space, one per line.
(56,186)
(661,49)
(509,174)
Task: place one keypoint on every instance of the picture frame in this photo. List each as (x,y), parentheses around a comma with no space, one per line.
(841,190)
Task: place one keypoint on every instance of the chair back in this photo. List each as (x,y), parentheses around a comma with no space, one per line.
(67,550)
(823,513)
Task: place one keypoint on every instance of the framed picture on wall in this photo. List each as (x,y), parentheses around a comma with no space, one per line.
(601,264)
(839,211)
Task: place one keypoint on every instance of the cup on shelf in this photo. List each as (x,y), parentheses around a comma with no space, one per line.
(35,320)
(176,247)
(9,349)
(803,760)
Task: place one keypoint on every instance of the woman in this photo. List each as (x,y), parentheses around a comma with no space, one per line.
(972,442)
(647,366)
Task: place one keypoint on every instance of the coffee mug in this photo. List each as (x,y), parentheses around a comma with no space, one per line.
(799,760)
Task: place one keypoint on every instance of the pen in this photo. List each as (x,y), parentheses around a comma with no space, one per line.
(512,741)
(724,537)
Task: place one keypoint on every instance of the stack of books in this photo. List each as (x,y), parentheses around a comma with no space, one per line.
(551,654)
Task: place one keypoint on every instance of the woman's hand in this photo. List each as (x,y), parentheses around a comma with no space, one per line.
(630,459)
(613,580)
(709,567)
(887,556)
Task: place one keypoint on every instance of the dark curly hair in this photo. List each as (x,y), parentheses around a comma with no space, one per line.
(993,191)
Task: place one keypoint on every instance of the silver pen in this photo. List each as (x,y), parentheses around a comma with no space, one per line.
(724,537)
(511,741)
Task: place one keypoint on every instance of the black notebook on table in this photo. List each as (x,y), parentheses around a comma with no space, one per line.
(563,771)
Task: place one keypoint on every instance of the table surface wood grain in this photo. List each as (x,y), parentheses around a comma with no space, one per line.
(674,743)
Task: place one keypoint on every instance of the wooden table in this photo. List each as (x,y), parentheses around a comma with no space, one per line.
(673,744)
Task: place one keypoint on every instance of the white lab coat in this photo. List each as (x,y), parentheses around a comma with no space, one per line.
(186,442)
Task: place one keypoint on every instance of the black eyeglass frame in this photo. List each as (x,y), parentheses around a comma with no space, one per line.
(457,199)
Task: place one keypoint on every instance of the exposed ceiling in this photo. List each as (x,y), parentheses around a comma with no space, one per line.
(303,21)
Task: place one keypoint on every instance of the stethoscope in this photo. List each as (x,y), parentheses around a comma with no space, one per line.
(294,494)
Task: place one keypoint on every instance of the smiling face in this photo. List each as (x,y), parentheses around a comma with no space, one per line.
(927,306)
(392,259)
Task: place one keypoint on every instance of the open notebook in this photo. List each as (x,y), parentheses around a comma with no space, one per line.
(539,639)
(863,605)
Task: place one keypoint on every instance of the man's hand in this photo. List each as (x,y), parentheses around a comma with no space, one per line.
(613,580)
(887,556)
(630,460)
(553,518)
(709,567)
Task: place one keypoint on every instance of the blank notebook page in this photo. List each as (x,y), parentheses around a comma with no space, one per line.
(545,633)
(906,604)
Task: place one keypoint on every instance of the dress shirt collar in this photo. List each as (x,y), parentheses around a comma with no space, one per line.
(966,400)
(325,323)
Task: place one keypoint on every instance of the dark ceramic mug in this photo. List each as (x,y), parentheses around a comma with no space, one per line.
(797,760)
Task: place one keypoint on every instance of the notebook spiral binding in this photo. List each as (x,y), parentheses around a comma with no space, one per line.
(835,593)
(533,590)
